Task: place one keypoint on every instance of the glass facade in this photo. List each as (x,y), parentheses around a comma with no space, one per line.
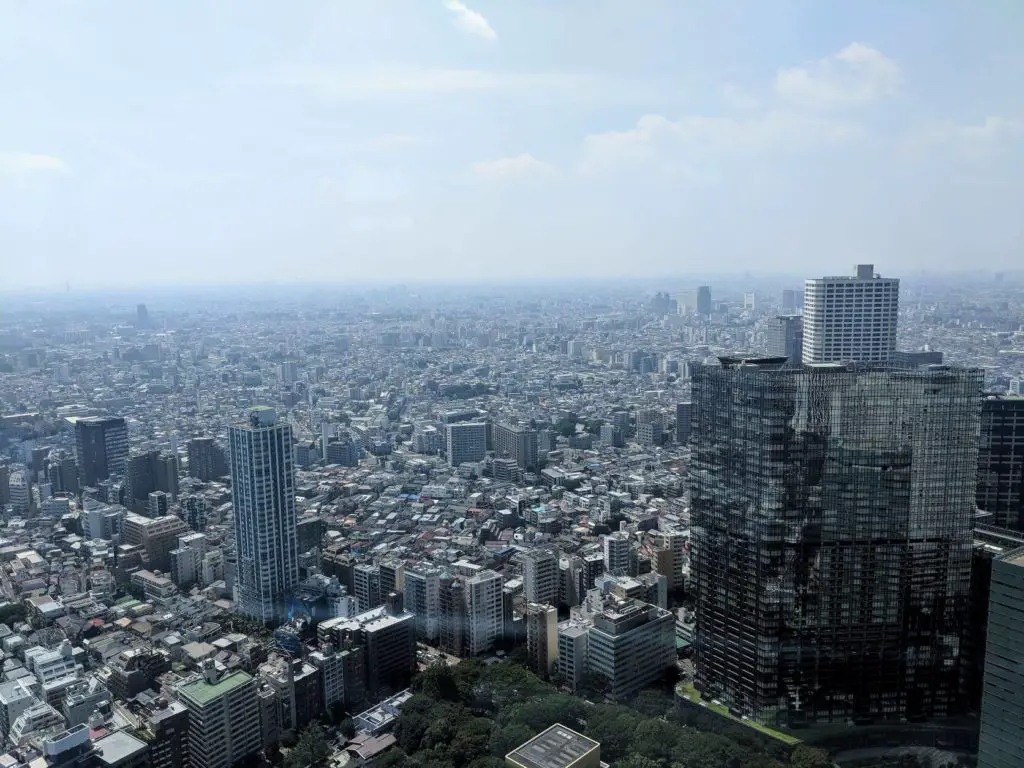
(831,517)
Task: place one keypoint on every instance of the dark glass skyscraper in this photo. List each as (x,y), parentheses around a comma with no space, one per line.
(831,518)
(1001,460)
(101,448)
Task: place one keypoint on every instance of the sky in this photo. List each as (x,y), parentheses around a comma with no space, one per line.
(235,141)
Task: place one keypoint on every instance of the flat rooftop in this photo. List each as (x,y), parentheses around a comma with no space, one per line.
(557,747)
(203,692)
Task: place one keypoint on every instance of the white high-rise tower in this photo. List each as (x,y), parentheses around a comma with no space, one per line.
(850,319)
(263,494)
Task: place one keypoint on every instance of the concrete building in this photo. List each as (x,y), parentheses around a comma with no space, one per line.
(557,747)
(850,318)
(517,442)
(629,646)
(423,599)
(263,492)
(541,576)
(465,442)
(617,550)
(367,587)
(206,459)
(542,638)
(784,336)
(484,618)
(223,717)
(156,535)
(1002,704)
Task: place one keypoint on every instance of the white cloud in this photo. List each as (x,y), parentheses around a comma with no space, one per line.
(469,21)
(25,163)
(656,138)
(857,74)
(510,167)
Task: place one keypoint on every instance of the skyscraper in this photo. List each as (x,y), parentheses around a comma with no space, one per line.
(1001,460)
(1002,703)
(785,337)
(423,599)
(101,448)
(850,318)
(263,495)
(484,620)
(704,300)
(517,442)
(831,519)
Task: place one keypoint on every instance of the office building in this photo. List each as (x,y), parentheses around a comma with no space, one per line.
(850,319)
(157,536)
(423,599)
(616,552)
(206,459)
(557,747)
(784,337)
(517,442)
(830,508)
(387,637)
(484,618)
(540,576)
(223,717)
(63,474)
(101,448)
(157,504)
(465,442)
(788,300)
(704,300)
(541,638)
(1001,743)
(630,646)
(1001,461)
(649,427)
(684,412)
(148,472)
(572,653)
(263,495)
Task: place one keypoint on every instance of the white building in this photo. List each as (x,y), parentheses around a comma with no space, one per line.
(263,490)
(484,618)
(423,599)
(466,443)
(540,576)
(850,318)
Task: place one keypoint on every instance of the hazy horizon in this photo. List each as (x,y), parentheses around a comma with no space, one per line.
(231,142)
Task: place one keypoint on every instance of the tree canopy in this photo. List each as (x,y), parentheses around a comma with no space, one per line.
(471,715)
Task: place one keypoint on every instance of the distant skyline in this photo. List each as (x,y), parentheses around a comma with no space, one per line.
(242,141)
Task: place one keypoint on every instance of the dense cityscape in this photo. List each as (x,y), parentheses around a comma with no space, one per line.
(753,523)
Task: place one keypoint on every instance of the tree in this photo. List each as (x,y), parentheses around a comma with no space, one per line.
(347,728)
(637,761)
(311,750)
(651,703)
(804,756)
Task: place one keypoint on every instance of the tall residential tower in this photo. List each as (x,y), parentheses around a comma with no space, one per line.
(263,494)
(850,319)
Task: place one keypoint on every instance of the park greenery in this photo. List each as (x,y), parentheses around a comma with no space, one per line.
(470,715)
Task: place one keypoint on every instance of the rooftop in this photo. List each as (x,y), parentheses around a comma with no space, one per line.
(118,746)
(557,747)
(202,692)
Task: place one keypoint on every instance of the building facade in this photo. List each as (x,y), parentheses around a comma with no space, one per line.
(831,517)
(466,442)
(263,496)
(850,318)
(1001,461)
(1001,743)
(101,448)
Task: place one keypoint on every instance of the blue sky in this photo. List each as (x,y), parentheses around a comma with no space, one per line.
(226,141)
